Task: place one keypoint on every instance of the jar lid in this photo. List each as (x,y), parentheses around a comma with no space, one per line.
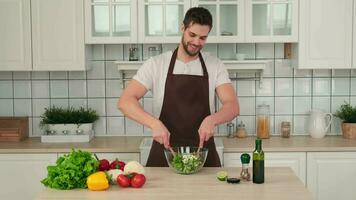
(245,158)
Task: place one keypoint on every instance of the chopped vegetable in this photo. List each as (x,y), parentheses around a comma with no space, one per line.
(71,170)
(221,175)
(186,163)
(97,181)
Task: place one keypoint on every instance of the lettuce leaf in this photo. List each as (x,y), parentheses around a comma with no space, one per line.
(71,170)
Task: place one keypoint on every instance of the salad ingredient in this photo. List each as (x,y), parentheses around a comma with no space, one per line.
(186,163)
(221,175)
(113,174)
(123,180)
(71,170)
(138,180)
(97,181)
(116,164)
(134,167)
(104,165)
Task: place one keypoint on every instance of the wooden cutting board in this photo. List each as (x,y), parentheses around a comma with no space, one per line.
(13,129)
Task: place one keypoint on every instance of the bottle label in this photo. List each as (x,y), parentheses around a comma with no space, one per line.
(258,171)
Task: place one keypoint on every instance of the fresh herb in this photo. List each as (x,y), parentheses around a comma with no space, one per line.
(58,115)
(186,163)
(71,170)
(347,113)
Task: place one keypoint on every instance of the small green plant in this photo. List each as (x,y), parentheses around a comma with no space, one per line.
(346,113)
(58,115)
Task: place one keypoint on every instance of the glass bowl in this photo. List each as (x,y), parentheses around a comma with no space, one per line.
(186,159)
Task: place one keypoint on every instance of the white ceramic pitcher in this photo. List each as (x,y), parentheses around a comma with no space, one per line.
(319,123)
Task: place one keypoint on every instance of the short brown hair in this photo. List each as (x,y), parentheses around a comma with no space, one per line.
(198,15)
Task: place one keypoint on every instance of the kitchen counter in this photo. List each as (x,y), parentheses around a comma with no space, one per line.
(122,144)
(292,144)
(162,183)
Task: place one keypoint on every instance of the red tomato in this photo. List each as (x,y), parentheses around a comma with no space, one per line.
(116,164)
(123,181)
(104,165)
(138,180)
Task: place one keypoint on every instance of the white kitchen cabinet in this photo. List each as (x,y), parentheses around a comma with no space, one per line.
(272,20)
(295,160)
(21,174)
(325,34)
(331,175)
(159,21)
(15,35)
(228,20)
(58,35)
(110,21)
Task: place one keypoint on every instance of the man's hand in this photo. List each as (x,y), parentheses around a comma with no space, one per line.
(161,134)
(206,130)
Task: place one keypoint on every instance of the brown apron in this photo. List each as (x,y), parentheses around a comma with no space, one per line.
(185,105)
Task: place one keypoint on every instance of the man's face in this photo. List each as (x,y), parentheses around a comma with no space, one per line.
(194,38)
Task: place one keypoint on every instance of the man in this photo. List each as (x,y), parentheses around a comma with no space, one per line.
(183,84)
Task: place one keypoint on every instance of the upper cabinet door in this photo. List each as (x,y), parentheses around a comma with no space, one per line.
(272,20)
(110,21)
(228,19)
(325,34)
(160,20)
(15,35)
(58,35)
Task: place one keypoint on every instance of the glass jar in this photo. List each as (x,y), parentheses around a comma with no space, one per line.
(230,130)
(263,121)
(133,54)
(153,51)
(285,129)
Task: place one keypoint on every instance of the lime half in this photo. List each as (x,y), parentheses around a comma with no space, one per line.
(221,175)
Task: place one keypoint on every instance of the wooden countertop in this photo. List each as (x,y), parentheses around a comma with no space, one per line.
(130,144)
(163,183)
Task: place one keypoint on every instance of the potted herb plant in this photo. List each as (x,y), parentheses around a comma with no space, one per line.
(347,114)
(57,120)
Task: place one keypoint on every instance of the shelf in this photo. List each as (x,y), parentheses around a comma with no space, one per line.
(233,66)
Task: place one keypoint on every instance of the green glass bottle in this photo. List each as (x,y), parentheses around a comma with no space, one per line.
(258,175)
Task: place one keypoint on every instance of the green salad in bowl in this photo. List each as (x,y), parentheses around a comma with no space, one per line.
(186,160)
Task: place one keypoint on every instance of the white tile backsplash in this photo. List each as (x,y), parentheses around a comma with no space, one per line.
(96,88)
(291,93)
(115,126)
(302,105)
(40,89)
(37,131)
(38,106)
(321,86)
(22,89)
(62,103)
(6,89)
(283,87)
(302,86)
(340,86)
(22,107)
(6,107)
(59,89)
(77,88)
(321,103)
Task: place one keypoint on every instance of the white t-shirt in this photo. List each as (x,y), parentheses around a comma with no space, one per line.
(153,74)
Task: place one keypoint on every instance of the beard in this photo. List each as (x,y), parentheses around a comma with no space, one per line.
(185,47)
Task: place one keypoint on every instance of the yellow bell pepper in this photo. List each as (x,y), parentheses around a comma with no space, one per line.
(97,181)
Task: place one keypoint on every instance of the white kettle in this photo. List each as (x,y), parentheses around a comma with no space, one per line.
(319,123)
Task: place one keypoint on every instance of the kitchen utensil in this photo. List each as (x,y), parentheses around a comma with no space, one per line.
(319,122)
(185,160)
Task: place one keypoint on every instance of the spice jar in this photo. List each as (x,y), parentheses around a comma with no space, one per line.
(240,130)
(153,51)
(263,121)
(230,130)
(285,129)
(245,160)
(133,54)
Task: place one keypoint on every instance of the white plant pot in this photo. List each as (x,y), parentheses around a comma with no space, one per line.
(69,129)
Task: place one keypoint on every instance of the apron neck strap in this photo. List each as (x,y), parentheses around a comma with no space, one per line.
(174,58)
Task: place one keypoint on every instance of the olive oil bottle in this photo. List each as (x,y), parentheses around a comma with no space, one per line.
(258,164)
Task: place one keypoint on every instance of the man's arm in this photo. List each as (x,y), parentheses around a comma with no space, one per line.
(130,106)
(229,110)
